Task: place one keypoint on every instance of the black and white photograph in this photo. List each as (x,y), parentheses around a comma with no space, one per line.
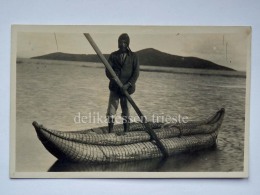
(130,101)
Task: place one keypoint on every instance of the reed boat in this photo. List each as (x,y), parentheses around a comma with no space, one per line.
(98,146)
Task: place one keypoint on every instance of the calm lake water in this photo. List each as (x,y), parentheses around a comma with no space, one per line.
(53,93)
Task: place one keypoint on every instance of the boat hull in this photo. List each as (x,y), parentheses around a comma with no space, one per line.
(98,146)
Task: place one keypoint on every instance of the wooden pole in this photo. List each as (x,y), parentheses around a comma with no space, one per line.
(119,83)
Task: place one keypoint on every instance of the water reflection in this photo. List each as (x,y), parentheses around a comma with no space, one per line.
(176,163)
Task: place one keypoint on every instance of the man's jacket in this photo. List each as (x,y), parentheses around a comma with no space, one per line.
(127,70)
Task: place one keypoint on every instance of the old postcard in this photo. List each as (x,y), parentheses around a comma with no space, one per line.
(130,101)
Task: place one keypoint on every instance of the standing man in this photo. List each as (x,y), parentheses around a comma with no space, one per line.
(125,64)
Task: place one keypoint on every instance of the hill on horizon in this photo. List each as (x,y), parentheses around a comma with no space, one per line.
(149,56)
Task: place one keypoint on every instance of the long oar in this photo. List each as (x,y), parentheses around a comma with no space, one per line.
(119,83)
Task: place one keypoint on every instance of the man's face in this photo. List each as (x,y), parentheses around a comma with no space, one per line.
(122,45)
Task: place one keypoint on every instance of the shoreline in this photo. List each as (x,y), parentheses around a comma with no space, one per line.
(144,68)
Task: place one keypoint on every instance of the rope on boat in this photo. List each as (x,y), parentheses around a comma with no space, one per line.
(214,137)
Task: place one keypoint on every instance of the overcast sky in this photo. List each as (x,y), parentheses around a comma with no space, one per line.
(227,49)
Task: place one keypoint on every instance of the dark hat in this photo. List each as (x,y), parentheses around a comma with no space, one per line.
(124,37)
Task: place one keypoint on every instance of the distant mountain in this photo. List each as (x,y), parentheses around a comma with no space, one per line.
(71,57)
(150,56)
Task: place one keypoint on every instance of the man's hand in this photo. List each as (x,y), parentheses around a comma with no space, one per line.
(126,86)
